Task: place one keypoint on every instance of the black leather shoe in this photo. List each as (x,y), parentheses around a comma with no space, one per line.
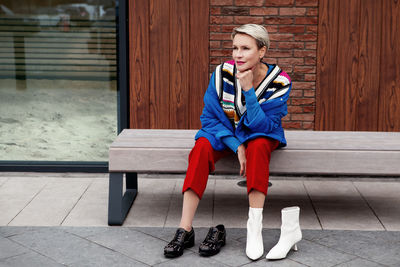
(182,239)
(213,242)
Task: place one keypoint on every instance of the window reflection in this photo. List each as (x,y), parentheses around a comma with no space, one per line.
(57,80)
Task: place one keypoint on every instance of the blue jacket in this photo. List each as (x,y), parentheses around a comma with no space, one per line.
(258,114)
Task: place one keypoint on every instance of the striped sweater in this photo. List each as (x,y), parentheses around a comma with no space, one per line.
(232,116)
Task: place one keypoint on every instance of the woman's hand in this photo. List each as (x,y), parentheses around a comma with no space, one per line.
(245,79)
(241,152)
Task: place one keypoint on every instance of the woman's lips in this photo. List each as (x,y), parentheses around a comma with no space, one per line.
(240,62)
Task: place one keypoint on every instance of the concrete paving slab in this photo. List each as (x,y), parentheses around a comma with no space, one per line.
(312,235)
(287,193)
(15,194)
(9,248)
(86,231)
(17,230)
(163,233)
(233,253)
(312,254)
(92,208)
(71,250)
(360,262)
(31,259)
(142,247)
(193,260)
(384,199)
(51,206)
(380,247)
(147,212)
(230,204)
(204,213)
(156,189)
(340,206)
(3,180)
(152,203)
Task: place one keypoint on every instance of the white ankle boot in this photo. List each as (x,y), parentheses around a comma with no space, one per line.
(254,243)
(290,234)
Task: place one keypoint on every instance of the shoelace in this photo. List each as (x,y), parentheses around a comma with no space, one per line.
(211,238)
(177,240)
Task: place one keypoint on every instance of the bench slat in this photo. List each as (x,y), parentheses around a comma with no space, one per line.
(144,160)
(309,152)
(307,140)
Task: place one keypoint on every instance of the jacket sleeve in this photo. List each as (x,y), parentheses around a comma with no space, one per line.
(266,116)
(232,142)
(214,121)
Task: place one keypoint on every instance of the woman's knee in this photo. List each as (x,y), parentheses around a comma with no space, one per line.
(202,148)
(203,144)
(262,144)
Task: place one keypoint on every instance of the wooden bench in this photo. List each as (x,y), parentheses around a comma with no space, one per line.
(307,153)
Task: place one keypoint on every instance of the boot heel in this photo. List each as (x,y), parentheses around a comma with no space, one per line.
(295,247)
(223,241)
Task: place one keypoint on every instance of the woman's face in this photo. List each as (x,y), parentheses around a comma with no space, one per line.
(245,52)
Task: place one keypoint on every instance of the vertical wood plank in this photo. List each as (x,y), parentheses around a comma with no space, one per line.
(328,28)
(179,64)
(368,68)
(347,65)
(159,63)
(198,59)
(389,97)
(139,63)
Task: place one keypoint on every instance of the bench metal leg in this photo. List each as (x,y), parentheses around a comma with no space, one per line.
(119,203)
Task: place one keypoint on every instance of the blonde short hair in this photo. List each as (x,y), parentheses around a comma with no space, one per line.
(256,31)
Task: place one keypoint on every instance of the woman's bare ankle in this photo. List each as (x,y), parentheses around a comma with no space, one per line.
(187,228)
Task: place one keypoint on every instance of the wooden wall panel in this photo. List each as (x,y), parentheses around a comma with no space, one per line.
(358,74)
(389,97)
(198,61)
(169,61)
(368,68)
(159,64)
(328,28)
(139,64)
(179,64)
(347,66)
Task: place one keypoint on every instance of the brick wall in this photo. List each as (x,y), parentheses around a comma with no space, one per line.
(292,27)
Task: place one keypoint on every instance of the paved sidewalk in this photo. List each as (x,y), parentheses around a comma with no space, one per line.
(61,218)
(139,246)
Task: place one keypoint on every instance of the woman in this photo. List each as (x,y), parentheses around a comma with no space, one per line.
(244,104)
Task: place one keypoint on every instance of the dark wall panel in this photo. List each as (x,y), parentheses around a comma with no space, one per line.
(159,64)
(179,64)
(328,25)
(347,65)
(368,68)
(139,64)
(169,61)
(358,72)
(389,98)
(198,61)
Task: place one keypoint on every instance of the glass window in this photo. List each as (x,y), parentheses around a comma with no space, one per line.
(58,92)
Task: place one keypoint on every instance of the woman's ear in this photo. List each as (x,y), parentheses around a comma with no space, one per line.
(262,51)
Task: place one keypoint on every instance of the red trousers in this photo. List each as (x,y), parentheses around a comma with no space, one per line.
(203,157)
